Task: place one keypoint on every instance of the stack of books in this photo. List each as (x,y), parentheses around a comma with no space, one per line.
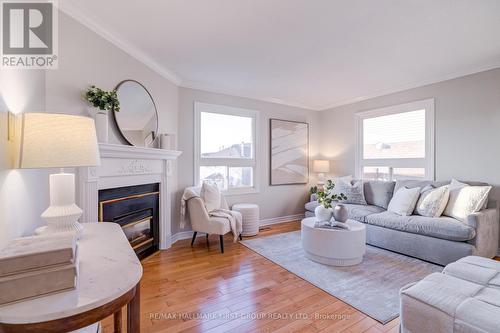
(37,266)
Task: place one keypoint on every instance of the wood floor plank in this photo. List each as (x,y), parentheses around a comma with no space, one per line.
(184,283)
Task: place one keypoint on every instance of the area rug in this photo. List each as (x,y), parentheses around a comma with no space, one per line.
(372,286)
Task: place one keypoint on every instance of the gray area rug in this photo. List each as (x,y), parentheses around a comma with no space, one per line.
(372,287)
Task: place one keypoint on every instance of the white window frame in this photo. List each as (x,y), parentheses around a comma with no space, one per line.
(427,163)
(200,107)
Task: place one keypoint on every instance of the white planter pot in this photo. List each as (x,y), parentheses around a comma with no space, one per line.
(323,214)
(101,126)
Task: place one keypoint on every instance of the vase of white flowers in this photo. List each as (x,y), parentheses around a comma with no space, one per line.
(102,102)
(327,199)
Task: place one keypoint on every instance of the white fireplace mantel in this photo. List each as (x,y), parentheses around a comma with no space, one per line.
(127,166)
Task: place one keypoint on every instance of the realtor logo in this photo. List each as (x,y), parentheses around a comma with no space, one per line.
(29,34)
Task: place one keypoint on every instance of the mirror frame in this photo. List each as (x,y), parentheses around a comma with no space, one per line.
(155,134)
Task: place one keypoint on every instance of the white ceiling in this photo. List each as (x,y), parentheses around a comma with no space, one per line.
(310,53)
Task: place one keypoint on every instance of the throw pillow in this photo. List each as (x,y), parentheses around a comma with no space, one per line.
(211,196)
(353,189)
(432,201)
(404,200)
(465,199)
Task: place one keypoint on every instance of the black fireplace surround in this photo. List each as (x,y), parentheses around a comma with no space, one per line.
(136,210)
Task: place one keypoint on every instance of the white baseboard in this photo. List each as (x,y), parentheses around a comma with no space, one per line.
(282,219)
(275,220)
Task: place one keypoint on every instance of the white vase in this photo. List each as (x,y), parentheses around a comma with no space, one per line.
(101,126)
(323,214)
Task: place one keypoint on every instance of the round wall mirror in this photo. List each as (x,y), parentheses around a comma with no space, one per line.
(137,119)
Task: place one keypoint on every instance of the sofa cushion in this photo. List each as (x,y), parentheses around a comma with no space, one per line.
(352,189)
(404,200)
(360,212)
(378,193)
(311,206)
(439,227)
(476,269)
(423,183)
(465,199)
(409,183)
(432,201)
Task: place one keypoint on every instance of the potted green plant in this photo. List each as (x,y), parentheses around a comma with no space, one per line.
(326,199)
(102,101)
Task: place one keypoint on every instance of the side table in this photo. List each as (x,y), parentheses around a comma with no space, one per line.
(250,214)
(109,279)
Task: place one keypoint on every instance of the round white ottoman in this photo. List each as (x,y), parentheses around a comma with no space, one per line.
(335,247)
(250,214)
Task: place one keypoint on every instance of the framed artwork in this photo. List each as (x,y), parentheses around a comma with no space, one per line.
(289,152)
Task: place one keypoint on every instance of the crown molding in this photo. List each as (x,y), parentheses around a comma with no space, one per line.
(210,88)
(413,85)
(77,13)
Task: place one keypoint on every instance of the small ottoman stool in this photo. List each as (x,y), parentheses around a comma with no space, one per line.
(250,214)
(464,298)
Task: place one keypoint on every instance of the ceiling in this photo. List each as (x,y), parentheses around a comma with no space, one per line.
(315,54)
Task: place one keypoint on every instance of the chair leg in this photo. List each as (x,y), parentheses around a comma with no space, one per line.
(241,237)
(221,239)
(208,245)
(194,237)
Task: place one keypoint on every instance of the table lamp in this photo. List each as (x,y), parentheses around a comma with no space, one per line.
(321,167)
(59,141)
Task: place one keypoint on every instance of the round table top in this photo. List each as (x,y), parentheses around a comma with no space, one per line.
(108,269)
(353,225)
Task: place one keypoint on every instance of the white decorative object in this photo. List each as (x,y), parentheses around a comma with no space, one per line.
(321,167)
(59,140)
(123,165)
(211,196)
(289,152)
(465,199)
(404,200)
(323,214)
(432,201)
(335,247)
(108,269)
(167,141)
(250,214)
(101,126)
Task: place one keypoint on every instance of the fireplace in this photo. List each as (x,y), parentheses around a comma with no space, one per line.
(136,210)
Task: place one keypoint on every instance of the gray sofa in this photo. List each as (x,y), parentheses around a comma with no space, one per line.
(439,240)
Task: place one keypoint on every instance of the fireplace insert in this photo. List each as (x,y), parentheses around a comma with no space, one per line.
(136,210)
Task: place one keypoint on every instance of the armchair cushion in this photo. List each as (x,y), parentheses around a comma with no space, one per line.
(211,196)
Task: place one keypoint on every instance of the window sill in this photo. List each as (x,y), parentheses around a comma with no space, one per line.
(242,191)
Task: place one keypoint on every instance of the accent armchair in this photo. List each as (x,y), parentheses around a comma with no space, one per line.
(202,222)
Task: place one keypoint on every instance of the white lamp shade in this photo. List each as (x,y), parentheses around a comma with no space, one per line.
(57,141)
(321,166)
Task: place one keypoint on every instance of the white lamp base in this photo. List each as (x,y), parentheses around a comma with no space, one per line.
(321,179)
(62,214)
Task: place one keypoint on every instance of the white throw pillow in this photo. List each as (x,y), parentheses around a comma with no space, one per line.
(211,196)
(465,199)
(432,201)
(404,200)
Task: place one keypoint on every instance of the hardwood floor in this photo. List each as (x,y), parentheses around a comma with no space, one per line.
(197,289)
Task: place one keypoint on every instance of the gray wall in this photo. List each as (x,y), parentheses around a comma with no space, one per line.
(273,201)
(84,59)
(467,115)
(23,192)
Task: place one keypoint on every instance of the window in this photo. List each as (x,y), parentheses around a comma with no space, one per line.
(226,147)
(396,142)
